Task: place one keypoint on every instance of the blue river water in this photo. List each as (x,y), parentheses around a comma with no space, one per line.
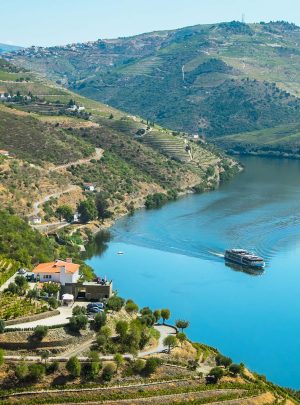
(173,258)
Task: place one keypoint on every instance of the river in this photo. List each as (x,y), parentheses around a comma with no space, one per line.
(173,258)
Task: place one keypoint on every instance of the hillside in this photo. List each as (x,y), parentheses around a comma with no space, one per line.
(57,141)
(217,80)
(8,48)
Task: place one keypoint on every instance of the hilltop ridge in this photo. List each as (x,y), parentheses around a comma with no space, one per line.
(215,79)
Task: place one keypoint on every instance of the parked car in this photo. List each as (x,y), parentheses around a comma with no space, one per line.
(95,310)
(22,271)
(95,305)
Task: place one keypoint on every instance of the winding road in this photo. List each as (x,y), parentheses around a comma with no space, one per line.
(71,187)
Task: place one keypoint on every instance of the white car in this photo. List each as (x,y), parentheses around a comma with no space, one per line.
(22,271)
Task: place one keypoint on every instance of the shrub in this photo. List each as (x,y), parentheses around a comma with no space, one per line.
(51,288)
(36,371)
(108,371)
(73,366)
(223,360)
(121,329)
(53,302)
(151,365)
(99,321)
(157,315)
(52,367)
(216,373)
(138,366)
(131,306)
(21,371)
(235,369)
(78,322)
(115,303)
(40,332)
(77,310)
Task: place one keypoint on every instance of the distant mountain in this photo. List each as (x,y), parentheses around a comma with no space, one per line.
(217,79)
(8,48)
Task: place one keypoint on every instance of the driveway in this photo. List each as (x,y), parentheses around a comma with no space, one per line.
(164,331)
(61,319)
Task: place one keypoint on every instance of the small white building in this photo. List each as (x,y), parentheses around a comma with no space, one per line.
(59,271)
(35,220)
(89,186)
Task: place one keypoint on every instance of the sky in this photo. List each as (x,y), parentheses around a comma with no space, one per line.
(58,22)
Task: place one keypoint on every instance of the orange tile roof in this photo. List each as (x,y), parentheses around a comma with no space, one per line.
(54,267)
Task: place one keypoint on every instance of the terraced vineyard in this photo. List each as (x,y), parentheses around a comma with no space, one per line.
(8,267)
(173,147)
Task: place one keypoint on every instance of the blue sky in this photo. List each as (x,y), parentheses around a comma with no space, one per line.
(50,22)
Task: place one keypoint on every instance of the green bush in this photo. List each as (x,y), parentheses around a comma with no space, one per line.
(21,371)
(78,322)
(115,303)
(151,365)
(73,366)
(108,371)
(36,372)
(40,332)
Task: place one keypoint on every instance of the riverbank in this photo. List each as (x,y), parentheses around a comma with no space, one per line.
(175,252)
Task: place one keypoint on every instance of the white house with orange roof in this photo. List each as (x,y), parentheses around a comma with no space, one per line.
(59,271)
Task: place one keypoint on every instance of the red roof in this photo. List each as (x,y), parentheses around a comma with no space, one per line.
(55,267)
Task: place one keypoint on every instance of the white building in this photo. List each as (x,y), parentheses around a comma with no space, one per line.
(35,220)
(59,271)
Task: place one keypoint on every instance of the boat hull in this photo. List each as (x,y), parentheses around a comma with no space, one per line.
(242,259)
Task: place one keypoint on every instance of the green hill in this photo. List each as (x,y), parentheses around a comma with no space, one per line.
(217,79)
(58,140)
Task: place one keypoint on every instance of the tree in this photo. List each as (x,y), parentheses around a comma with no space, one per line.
(99,321)
(119,360)
(87,210)
(121,329)
(157,315)
(36,371)
(51,288)
(235,369)
(40,332)
(170,341)
(108,371)
(115,303)
(181,324)
(32,294)
(13,288)
(181,337)
(165,314)
(22,283)
(73,367)
(65,212)
(78,322)
(216,374)
(102,206)
(53,302)
(131,306)
(151,365)
(21,371)
(2,326)
(91,370)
